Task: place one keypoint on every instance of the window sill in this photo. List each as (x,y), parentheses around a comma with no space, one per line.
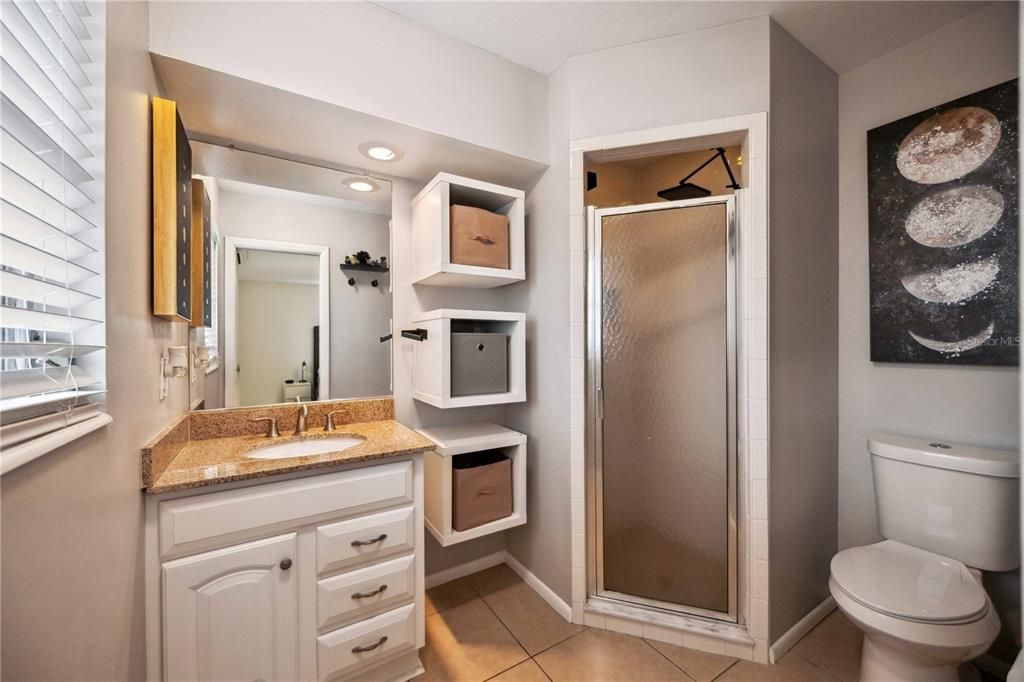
(23,453)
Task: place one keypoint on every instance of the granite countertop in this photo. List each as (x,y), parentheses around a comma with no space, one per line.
(210,461)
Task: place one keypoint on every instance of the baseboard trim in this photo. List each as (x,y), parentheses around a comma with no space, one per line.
(503,557)
(545,592)
(462,570)
(802,627)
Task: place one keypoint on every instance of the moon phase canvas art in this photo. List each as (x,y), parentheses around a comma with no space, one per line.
(942,227)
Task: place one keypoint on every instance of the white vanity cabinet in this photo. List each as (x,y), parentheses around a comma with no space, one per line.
(233,613)
(317,577)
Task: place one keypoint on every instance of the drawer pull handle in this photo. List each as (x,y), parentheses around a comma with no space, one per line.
(483,239)
(371,647)
(362,543)
(367,595)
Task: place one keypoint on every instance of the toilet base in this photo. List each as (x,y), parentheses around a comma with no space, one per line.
(880,661)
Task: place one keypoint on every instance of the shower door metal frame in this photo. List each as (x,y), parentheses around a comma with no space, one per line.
(594,416)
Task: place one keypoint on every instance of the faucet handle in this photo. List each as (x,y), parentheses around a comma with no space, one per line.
(329,425)
(272,431)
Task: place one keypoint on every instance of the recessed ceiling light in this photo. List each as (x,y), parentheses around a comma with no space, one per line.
(361,184)
(380,151)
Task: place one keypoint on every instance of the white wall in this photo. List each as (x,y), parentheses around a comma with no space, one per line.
(719,72)
(360,56)
(359,314)
(71,573)
(967,404)
(275,336)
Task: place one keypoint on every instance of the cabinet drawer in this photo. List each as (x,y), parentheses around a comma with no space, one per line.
(360,645)
(192,524)
(366,539)
(365,591)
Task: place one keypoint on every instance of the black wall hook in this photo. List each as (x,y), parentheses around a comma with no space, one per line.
(415,334)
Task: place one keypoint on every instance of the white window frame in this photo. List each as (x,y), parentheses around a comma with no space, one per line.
(28,439)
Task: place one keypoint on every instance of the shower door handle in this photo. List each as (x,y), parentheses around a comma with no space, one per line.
(600,403)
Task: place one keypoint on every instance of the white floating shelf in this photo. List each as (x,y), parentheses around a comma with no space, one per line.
(431,232)
(453,441)
(432,357)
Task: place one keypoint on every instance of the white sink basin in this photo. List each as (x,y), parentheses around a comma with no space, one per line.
(305,448)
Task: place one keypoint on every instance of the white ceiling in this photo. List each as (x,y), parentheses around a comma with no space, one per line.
(542,35)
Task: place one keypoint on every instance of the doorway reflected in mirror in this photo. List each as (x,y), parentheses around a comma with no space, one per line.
(288,321)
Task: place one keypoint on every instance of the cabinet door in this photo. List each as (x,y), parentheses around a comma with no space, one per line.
(232,614)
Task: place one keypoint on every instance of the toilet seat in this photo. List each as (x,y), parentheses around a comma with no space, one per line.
(910,584)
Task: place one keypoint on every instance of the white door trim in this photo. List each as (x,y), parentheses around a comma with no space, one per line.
(231,247)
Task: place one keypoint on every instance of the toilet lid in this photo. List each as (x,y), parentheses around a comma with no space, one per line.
(907,582)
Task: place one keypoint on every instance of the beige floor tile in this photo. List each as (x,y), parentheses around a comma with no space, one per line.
(700,665)
(494,578)
(790,669)
(448,595)
(527,671)
(595,655)
(467,643)
(834,645)
(536,625)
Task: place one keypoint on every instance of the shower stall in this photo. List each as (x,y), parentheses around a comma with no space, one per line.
(661,433)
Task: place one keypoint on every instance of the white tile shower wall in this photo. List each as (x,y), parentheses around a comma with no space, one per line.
(753,470)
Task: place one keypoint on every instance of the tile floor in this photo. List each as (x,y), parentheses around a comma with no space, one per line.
(493,626)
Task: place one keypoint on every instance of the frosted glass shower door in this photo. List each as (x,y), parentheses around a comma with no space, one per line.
(665,344)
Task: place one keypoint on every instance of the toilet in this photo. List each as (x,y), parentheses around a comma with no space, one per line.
(947,512)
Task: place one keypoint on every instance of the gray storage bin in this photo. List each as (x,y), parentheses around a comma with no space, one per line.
(479,363)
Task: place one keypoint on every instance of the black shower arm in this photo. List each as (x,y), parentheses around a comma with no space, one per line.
(719,152)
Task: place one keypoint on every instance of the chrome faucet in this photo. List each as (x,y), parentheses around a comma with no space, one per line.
(300,424)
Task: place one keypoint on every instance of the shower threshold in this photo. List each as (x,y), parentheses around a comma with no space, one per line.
(687,623)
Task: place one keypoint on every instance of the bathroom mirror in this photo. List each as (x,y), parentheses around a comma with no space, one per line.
(301,291)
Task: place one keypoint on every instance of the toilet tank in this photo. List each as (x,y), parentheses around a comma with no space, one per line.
(956,500)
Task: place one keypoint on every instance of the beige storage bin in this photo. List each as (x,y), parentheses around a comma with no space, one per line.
(481,488)
(478,237)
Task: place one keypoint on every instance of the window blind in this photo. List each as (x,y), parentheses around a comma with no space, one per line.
(52,110)
(210,333)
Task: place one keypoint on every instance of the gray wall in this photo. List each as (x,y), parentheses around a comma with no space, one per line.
(803,327)
(72,601)
(966,404)
(714,73)
(542,545)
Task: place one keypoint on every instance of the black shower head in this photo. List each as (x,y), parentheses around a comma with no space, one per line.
(684,190)
(688,190)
